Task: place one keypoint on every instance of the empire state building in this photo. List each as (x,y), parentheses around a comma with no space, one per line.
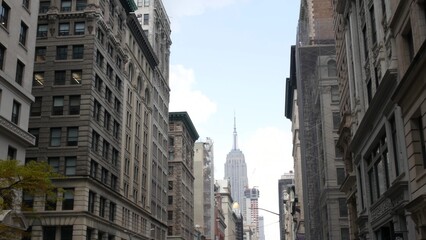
(236,171)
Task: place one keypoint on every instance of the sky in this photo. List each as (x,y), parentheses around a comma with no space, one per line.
(231,57)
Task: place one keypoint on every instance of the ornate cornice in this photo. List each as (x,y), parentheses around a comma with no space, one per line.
(12,129)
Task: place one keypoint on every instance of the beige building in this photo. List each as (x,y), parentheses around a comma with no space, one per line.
(204,188)
(96,120)
(17,43)
(224,191)
(180,210)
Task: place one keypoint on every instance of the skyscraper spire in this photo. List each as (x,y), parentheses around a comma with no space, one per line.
(235,133)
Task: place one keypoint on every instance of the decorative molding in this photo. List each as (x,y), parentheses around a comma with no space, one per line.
(13,129)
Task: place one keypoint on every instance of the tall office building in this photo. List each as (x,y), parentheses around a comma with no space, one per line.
(180,210)
(156,25)
(100,116)
(204,187)
(261,228)
(318,104)
(17,45)
(236,172)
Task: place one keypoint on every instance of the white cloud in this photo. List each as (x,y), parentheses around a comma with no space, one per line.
(183,96)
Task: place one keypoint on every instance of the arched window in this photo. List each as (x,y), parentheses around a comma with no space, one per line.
(332,68)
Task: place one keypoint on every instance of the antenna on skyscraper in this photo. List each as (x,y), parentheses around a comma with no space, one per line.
(235,132)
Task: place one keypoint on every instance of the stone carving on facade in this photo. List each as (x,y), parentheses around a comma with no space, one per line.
(384,207)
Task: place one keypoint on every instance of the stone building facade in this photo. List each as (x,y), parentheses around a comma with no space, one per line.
(180,210)
(379,46)
(17,43)
(94,114)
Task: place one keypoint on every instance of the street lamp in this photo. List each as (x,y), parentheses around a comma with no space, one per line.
(266,210)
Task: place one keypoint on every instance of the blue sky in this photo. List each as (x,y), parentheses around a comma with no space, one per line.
(233,56)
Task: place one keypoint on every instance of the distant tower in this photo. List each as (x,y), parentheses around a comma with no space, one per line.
(261,228)
(236,171)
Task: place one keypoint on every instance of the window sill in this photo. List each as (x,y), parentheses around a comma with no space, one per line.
(4,28)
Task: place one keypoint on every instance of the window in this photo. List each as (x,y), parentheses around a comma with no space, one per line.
(422,139)
(115,129)
(2,55)
(11,153)
(58,105)
(100,35)
(408,38)
(146,3)
(344,234)
(118,62)
(117,104)
(68,199)
(59,78)
(104,176)
(79,28)
(89,233)
(42,30)
(95,141)
(373,25)
(108,94)
(96,110)
(26,3)
(170,185)
(118,83)
(70,165)
(55,137)
(113,182)
(145,19)
(36,133)
(76,76)
(336,120)
(53,163)
(44,6)
(105,149)
(64,29)
(19,72)
(332,68)
(27,201)
(112,209)
(77,51)
(109,71)
(170,200)
(102,203)
(340,175)
(99,59)
(91,202)
(72,136)
(61,52)
(50,202)
(16,109)
(40,54)
(107,120)
(110,49)
(66,232)
(74,105)
(98,83)
(170,215)
(66,6)
(4,14)
(343,208)
(93,168)
(114,158)
(80,5)
(49,233)
(38,79)
(23,34)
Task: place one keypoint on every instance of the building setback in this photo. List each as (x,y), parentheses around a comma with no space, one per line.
(96,89)
(180,210)
(204,188)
